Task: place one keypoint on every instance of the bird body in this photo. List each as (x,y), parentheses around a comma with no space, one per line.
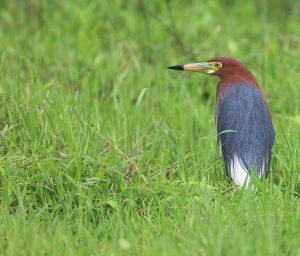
(244,126)
(245,132)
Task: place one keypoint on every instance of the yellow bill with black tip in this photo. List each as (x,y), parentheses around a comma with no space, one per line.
(204,67)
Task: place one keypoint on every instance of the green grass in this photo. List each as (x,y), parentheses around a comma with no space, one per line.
(106,152)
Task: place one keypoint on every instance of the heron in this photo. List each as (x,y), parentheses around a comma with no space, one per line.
(245,132)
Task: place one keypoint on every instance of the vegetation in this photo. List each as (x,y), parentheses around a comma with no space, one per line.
(106,152)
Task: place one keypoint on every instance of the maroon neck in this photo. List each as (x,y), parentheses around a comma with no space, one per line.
(228,81)
(234,79)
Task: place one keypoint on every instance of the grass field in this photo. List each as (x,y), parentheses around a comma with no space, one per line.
(106,152)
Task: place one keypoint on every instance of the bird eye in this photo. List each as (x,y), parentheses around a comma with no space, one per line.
(218,65)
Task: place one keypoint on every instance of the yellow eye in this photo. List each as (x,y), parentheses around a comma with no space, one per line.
(218,65)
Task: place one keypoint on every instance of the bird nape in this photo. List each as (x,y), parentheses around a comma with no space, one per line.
(245,132)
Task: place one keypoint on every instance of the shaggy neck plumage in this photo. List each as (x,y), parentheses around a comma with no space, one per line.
(238,77)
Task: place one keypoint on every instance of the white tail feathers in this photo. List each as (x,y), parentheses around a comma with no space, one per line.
(238,172)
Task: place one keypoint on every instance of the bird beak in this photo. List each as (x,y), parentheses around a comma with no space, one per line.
(203,67)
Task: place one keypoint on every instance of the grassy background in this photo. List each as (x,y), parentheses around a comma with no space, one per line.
(105,152)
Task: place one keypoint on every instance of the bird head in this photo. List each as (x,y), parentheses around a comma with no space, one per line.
(230,71)
(221,66)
